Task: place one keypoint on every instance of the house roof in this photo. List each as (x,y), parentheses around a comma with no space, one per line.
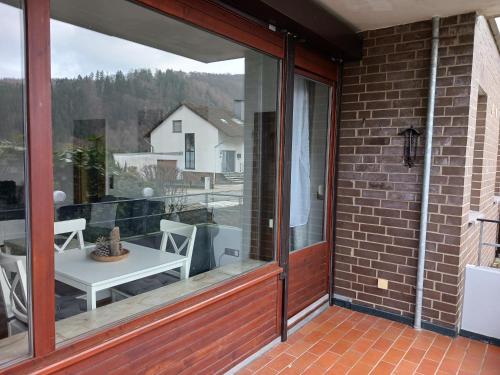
(223,120)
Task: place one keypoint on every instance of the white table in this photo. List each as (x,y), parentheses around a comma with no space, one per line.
(76,268)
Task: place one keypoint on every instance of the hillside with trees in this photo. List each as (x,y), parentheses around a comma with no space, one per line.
(100,114)
(129,104)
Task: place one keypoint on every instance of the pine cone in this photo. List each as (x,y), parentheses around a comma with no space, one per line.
(102,247)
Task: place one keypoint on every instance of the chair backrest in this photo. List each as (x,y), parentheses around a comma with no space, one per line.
(14,286)
(74,227)
(185,230)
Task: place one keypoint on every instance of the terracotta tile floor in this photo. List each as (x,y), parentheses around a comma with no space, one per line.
(341,341)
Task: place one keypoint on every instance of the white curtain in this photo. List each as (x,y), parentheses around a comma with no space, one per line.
(300,196)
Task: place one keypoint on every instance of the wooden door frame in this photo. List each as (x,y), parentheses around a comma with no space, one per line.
(319,68)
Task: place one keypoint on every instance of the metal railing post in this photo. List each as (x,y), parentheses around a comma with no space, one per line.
(480,246)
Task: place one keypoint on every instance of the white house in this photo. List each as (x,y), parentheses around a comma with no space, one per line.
(210,139)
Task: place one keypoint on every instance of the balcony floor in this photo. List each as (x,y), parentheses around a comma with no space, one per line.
(341,341)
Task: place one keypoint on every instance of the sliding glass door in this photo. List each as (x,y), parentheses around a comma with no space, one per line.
(309,193)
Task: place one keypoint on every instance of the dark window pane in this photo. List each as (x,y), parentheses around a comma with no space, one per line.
(189,151)
(177,126)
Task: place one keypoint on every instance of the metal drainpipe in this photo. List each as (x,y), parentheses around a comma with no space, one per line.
(338,100)
(426,174)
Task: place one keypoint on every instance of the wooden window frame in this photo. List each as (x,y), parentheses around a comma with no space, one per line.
(204,14)
(316,66)
(40,181)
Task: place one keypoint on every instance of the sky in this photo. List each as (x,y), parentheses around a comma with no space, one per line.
(10,42)
(76,50)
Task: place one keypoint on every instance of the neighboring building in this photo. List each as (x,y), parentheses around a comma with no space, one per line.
(211,139)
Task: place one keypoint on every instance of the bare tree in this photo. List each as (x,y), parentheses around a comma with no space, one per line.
(167,183)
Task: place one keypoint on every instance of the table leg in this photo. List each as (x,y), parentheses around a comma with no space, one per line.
(184,274)
(91,299)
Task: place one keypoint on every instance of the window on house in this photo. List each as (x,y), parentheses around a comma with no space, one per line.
(14,258)
(189,151)
(477,196)
(177,126)
(175,236)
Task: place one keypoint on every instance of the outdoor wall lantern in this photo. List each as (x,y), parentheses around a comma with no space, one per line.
(410,146)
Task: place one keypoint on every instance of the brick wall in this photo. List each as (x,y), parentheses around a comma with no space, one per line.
(379,197)
(484,112)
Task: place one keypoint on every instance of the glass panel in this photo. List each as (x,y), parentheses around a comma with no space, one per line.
(177,126)
(189,150)
(311,102)
(14,300)
(123,76)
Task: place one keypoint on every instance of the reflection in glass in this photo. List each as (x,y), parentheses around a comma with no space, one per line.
(14,300)
(309,156)
(160,133)
(189,151)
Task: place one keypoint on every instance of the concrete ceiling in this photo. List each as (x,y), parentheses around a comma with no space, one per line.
(126,20)
(376,14)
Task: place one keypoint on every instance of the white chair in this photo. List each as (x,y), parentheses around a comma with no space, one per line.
(14,288)
(188,232)
(75,227)
(14,291)
(169,229)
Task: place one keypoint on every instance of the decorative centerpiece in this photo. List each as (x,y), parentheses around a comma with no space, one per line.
(109,250)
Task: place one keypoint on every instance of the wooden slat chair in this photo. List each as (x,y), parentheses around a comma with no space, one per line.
(172,231)
(13,282)
(14,291)
(171,228)
(75,227)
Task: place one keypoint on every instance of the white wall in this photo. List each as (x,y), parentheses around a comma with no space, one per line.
(163,139)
